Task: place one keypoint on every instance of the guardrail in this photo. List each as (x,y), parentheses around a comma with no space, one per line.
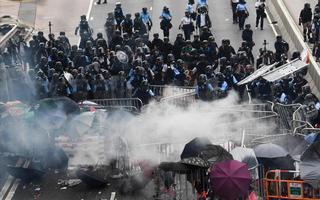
(289,30)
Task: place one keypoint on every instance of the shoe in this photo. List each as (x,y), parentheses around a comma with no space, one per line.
(261,28)
(98,3)
(105,2)
(256,28)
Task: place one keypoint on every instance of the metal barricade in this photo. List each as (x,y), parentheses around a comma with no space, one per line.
(134,104)
(182,100)
(167,91)
(286,113)
(277,187)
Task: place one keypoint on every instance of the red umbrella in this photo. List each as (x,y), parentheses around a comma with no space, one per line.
(230,179)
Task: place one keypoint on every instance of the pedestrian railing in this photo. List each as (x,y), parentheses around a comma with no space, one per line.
(277,187)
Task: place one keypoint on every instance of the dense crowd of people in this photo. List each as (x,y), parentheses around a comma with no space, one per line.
(126,62)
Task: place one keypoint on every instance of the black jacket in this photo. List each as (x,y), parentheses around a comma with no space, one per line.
(305,15)
(207,21)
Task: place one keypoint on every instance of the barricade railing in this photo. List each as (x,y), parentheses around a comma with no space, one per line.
(286,113)
(130,103)
(277,187)
(167,90)
(183,100)
(270,138)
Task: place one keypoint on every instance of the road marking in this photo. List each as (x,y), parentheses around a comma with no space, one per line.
(272,25)
(6,187)
(13,189)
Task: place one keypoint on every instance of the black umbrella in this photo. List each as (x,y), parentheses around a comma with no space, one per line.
(309,166)
(203,148)
(32,172)
(64,104)
(270,150)
(196,161)
(195,147)
(52,113)
(273,156)
(174,167)
(215,154)
(294,144)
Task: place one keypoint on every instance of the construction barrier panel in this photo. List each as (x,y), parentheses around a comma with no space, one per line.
(283,184)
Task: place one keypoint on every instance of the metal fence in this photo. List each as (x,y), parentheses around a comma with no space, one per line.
(167,91)
(131,104)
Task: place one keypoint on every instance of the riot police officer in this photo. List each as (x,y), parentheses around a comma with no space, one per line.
(204,90)
(110,26)
(281,46)
(83,27)
(118,14)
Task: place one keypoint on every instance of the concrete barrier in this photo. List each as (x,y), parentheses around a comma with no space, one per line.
(290,31)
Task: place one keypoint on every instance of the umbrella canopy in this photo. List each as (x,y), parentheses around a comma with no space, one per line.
(245,155)
(80,124)
(230,179)
(215,153)
(273,156)
(270,150)
(51,113)
(204,149)
(196,161)
(282,163)
(309,166)
(64,104)
(294,144)
(195,147)
(174,167)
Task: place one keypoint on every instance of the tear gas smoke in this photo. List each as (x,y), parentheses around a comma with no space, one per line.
(165,129)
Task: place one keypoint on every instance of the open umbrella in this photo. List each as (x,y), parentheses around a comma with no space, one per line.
(309,166)
(294,144)
(273,156)
(245,155)
(174,167)
(230,179)
(204,149)
(80,124)
(195,147)
(270,150)
(196,161)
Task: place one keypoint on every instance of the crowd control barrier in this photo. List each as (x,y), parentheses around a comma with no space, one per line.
(279,187)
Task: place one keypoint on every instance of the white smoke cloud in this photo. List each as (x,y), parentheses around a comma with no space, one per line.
(165,129)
